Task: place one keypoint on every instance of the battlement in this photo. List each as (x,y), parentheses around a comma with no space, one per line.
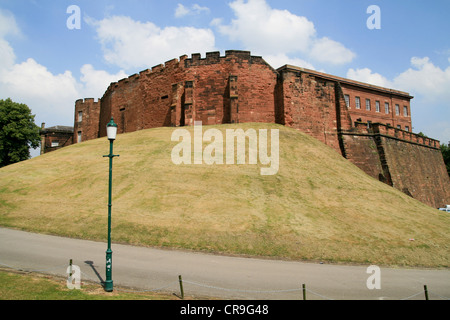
(168,65)
(363,128)
(195,60)
(86,101)
(215,58)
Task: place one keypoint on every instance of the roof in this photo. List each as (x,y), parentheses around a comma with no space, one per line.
(61,129)
(288,67)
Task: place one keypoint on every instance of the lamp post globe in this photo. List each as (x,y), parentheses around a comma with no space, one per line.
(111,130)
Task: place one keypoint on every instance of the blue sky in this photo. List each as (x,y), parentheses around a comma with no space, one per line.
(48,66)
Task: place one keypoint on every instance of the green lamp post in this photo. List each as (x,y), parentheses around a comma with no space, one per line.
(111,131)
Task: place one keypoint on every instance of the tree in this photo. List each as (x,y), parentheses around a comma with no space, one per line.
(445,149)
(18,132)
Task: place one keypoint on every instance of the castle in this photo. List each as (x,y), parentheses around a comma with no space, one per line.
(369,125)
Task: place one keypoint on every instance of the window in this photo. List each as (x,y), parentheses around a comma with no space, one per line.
(368,104)
(407,128)
(399,127)
(55,144)
(347,100)
(358,103)
(405,111)
(189,84)
(80,116)
(79,136)
(397,109)
(386,107)
(377,105)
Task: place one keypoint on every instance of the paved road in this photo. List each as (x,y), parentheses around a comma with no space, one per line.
(207,275)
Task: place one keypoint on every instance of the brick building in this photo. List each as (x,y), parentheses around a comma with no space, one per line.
(352,117)
(55,138)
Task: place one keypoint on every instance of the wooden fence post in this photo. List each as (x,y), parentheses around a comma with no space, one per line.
(181,287)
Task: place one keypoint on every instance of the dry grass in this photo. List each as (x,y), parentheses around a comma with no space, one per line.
(318,207)
(17,285)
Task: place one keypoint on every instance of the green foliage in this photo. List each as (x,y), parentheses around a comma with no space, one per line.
(421,134)
(445,149)
(18,132)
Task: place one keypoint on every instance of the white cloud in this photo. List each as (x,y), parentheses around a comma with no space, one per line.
(182,11)
(51,97)
(199,9)
(132,44)
(261,28)
(429,84)
(7,55)
(45,93)
(330,51)
(8,25)
(366,75)
(95,82)
(279,60)
(267,31)
(426,79)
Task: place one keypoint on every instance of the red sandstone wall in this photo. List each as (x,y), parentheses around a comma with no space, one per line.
(309,104)
(418,171)
(407,162)
(235,88)
(90,119)
(362,151)
(63,139)
(214,90)
(372,115)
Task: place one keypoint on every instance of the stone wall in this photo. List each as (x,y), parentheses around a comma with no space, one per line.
(86,120)
(55,138)
(312,104)
(241,88)
(231,89)
(410,163)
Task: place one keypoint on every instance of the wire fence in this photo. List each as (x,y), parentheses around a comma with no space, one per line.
(426,293)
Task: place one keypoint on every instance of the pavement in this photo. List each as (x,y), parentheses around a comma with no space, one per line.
(225,277)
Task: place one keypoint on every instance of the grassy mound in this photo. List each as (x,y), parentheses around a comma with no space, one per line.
(318,207)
